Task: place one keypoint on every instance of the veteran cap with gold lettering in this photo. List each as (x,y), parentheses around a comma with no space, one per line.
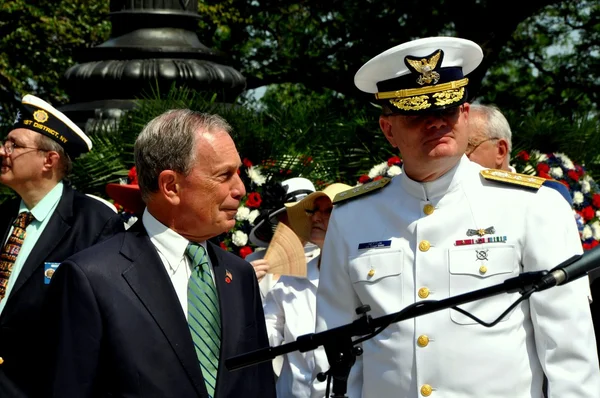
(37,115)
(422,75)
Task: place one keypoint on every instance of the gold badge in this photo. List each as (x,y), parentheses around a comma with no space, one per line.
(426,66)
(49,272)
(40,116)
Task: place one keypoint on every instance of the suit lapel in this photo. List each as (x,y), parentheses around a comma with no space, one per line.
(58,225)
(149,280)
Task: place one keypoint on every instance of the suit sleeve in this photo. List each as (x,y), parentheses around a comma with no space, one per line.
(561,316)
(74,332)
(336,304)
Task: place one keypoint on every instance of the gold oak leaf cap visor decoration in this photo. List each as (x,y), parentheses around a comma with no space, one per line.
(37,115)
(422,75)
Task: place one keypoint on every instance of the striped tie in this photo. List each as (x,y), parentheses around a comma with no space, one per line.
(12,248)
(203,316)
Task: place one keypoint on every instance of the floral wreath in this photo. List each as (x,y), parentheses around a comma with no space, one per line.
(582,187)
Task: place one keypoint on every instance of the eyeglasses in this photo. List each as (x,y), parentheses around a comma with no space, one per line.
(10,146)
(472,147)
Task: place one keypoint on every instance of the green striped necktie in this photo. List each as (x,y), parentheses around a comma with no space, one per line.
(203,315)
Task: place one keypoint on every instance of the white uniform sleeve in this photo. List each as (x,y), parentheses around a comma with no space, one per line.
(561,317)
(274,315)
(336,302)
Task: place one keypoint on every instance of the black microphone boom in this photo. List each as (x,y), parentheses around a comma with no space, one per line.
(571,269)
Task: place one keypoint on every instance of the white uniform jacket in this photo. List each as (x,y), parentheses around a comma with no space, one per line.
(290,309)
(421,229)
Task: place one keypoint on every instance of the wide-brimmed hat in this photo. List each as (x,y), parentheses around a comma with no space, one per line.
(127,195)
(297,212)
(296,189)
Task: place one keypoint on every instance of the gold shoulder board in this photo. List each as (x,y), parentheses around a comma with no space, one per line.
(360,190)
(507,177)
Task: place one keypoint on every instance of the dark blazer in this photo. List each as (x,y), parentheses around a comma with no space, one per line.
(118,329)
(77,223)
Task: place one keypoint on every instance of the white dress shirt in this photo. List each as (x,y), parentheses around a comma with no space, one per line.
(412,246)
(290,312)
(171,249)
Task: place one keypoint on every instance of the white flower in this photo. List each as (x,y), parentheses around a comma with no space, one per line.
(529,170)
(598,213)
(394,171)
(256,176)
(556,172)
(577,198)
(252,216)
(587,177)
(239,238)
(539,157)
(587,233)
(585,186)
(242,213)
(596,230)
(378,170)
(566,161)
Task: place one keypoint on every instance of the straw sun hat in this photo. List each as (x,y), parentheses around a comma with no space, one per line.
(299,219)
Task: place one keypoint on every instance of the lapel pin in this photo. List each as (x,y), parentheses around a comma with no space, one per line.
(228,277)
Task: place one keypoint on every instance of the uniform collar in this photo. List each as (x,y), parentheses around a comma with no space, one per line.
(46,205)
(433,189)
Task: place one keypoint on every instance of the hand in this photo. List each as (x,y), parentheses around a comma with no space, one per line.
(261,267)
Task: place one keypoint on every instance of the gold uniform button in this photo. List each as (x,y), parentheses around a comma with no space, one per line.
(424,245)
(423,292)
(1,360)
(371,272)
(482,269)
(426,390)
(428,209)
(423,341)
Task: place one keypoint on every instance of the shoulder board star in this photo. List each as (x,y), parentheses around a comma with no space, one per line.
(507,177)
(360,190)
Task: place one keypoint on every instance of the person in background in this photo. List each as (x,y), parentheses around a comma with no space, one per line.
(290,305)
(47,222)
(156,310)
(294,189)
(490,143)
(445,227)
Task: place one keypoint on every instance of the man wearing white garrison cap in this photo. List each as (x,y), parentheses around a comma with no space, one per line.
(48,222)
(445,227)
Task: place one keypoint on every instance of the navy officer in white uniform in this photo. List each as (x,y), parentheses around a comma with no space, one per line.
(444,227)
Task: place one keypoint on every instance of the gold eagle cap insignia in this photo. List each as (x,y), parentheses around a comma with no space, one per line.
(426,66)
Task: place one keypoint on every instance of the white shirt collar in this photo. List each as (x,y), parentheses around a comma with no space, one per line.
(432,189)
(168,242)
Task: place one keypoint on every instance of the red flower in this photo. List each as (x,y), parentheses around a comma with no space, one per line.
(573,175)
(523,155)
(544,175)
(254,200)
(588,213)
(542,168)
(223,246)
(394,160)
(579,170)
(586,246)
(364,178)
(246,162)
(244,251)
(594,243)
(377,178)
(596,200)
(132,176)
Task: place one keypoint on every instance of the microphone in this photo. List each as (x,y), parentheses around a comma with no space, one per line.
(571,269)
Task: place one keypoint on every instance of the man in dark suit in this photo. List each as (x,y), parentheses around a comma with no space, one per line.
(36,156)
(156,311)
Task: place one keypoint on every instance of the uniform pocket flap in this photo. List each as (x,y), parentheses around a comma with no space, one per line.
(372,267)
(482,261)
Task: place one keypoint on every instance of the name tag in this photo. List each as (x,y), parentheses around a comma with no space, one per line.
(49,269)
(375,245)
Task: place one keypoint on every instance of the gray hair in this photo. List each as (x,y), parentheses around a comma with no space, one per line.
(494,123)
(168,142)
(48,144)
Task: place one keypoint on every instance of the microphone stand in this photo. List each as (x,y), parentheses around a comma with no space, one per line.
(341,350)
